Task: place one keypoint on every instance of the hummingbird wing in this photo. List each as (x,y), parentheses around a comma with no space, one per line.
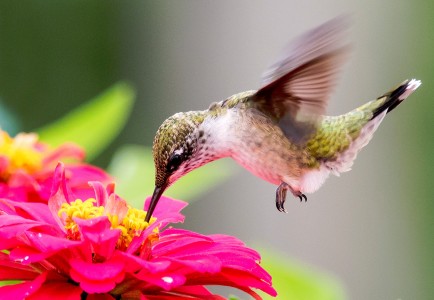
(296,89)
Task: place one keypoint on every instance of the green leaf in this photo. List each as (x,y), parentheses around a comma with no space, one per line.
(293,280)
(133,168)
(94,124)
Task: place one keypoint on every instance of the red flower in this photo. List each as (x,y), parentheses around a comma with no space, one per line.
(26,168)
(103,248)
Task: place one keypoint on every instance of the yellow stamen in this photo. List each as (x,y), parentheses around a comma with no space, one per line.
(131,225)
(21,152)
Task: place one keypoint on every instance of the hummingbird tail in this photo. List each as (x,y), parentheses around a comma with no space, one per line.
(340,138)
(395,97)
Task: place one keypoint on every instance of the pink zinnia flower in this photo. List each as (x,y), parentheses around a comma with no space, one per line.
(102,248)
(27,167)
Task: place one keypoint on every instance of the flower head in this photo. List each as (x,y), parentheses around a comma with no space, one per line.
(27,165)
(101,245)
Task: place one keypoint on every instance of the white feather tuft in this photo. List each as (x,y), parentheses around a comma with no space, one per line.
(314,179)
(411,87)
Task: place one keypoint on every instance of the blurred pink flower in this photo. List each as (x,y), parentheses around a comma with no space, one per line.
(102,248)
(27,167)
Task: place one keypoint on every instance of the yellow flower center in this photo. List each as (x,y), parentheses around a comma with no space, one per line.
(131,225)
(21,153)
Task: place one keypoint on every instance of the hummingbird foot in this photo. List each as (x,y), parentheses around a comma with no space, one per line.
(301,196)
(281,196)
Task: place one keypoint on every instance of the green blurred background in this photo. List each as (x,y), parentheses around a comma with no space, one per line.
(372,229)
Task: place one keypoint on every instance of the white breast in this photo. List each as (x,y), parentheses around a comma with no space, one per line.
(314,179)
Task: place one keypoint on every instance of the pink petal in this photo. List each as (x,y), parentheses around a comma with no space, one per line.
(167,209)
(116,206)
(22,187)
(29,210)
(79,172)
(166,280)
(134,263)
(60,194)
(177,241)
(98,277)
(4,162)
(101,195)
(110,188)
(10,270)
(22,290)
(6,208)
(48,243)
(97,231)
(67,150)
(22,179)
(247,280)
(78,177)
(39,247)
(57,290)
(12,226)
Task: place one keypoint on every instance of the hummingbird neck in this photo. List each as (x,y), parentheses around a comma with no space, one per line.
(214,137)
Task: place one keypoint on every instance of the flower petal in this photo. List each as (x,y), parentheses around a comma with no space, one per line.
(57,290)
(10,270)
(134,263)
(97,231)
(100,193)
(116,206)
(13,227)
(22,290)
(60,194)
(98,277)
(33,211)
(166,280)
(79,175)
(39,247)
(67,150)
(167,210)
(4,162)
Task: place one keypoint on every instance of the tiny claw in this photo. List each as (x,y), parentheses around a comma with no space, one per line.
(301,197)
(281,196)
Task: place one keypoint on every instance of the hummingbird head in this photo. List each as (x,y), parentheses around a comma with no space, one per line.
(174,150)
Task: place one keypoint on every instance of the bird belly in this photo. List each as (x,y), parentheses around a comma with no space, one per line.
(268,155)
(257,144)
(262,166)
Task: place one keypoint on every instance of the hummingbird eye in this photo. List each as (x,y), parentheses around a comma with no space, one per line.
(174,162)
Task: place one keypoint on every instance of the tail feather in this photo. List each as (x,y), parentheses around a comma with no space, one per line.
(359,127)
(395,97)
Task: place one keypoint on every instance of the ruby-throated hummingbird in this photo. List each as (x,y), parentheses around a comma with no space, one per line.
(278,132)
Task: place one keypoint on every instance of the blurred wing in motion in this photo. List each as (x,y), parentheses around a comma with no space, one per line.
(296,89)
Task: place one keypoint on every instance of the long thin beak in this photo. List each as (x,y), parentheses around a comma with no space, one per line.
(158,191)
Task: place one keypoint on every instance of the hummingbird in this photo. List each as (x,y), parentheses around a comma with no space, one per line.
(279,132)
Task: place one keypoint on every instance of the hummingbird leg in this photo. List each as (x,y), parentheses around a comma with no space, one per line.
(281,196)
